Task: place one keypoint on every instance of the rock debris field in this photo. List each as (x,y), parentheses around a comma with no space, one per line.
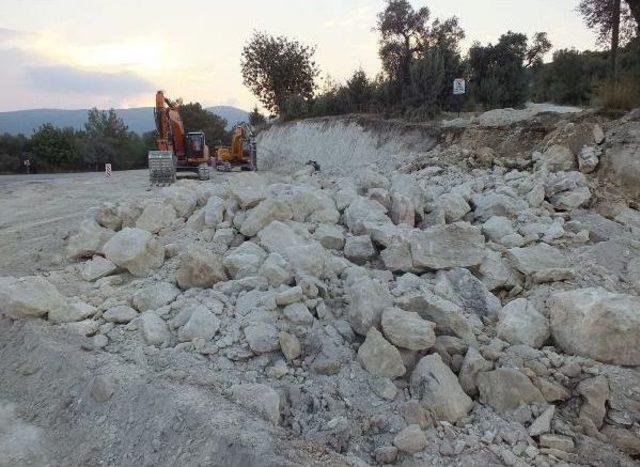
(462,308)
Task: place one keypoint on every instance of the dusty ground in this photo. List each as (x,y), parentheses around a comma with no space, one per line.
(32,239)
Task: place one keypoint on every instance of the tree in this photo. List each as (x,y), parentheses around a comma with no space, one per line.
(256,119)
(359,91)
(195,118)
(615,21)
(498,72)
(276,69)
(56,147)
(402,30)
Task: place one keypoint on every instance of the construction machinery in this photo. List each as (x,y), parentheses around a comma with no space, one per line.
(242,152)
(177,150)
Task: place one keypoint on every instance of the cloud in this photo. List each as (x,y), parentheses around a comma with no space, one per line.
(64,79)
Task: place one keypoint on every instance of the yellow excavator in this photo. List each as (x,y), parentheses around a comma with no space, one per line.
(181,151)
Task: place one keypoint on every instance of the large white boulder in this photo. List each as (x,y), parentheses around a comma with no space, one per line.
(183,199)
(202,324)
(258,398)
(30,296)
(506,389)
(155,295)
(597,324)
(245,260)
(366,299)
(214,211)
(135,250)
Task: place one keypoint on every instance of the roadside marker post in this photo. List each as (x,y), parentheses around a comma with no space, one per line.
(107,170)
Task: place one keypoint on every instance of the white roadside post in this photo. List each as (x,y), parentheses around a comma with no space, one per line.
(107,170)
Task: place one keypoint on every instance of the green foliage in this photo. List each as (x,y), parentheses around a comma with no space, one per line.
(55,147)
(277,68)
(195,118)
(498,73)
(13,148)
(294,107)
(598,15)
(256,119)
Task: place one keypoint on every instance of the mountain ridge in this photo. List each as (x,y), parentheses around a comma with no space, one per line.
(138,119)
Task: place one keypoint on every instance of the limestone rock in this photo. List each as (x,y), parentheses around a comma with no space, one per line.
(72,313)
(496,228)
(569,200)
(466,290)
(88,240)
(596,393)
(107,217)
(411,440)
(136,250)
(520,323)
(597,324)
(542,424)
(438,389)
(330,236)
(276,270)
(539,261)
(120,314)
(154,329)
(262,337)
(154,295)
(200,267)
(97,268)
(506,389)
(558,158)
(359,249)
(454,245)
(454,206)
(472,365)
(379,357)
(298,313)
(214,211)
(588,159)
(262,215)
(259,398)
(366,300)
(156,216)
(202,324)
(290,346)
(407,330)
(30,296)
(245,260)
(289,296)
(493,203)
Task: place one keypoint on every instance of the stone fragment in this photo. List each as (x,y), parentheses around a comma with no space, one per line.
(379,357)
(411,440)
(244,260)
(290,346)
(541,262)
(506,389)
(156,216)
(596,393)
(366,299)
(202,324)
(289,296)
(154,295)
(120,314)
(330,236)
(359,249)
(496,228)
(436,386)
(520,323)
(442,247)
(597,324)
(276,269)
(557,442)
(542,424)
(97,268)
(262,337)
(454,206)
(473,364)
(30,296)
(407,330)
(73,312)
(259,398)
(588,159)
(558,158)
(135,250)
(154,329)
(262,215)
(214,211)
(88,240)
(200,267)
(298,313)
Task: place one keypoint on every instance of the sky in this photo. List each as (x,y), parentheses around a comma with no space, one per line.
(115,53)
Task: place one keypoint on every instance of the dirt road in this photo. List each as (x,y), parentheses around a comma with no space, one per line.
(39,210)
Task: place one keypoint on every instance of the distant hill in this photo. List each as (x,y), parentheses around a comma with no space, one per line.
(138,119)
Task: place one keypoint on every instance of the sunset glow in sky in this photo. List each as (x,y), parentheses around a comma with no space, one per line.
(84,53)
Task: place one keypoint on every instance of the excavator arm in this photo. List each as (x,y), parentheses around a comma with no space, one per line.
(171,134)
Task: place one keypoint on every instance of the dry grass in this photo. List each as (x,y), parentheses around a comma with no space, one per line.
(623,95)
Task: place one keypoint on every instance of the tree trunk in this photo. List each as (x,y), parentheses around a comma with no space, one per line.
(615,38)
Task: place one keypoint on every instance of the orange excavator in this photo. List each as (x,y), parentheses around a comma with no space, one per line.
(181,151)
(177,150)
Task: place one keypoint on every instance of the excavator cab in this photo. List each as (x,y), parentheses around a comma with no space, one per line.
(196,143)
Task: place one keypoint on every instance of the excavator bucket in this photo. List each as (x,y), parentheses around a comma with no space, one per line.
(162,168)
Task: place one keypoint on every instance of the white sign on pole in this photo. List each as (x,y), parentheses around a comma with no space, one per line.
(459,86)
(107,170)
